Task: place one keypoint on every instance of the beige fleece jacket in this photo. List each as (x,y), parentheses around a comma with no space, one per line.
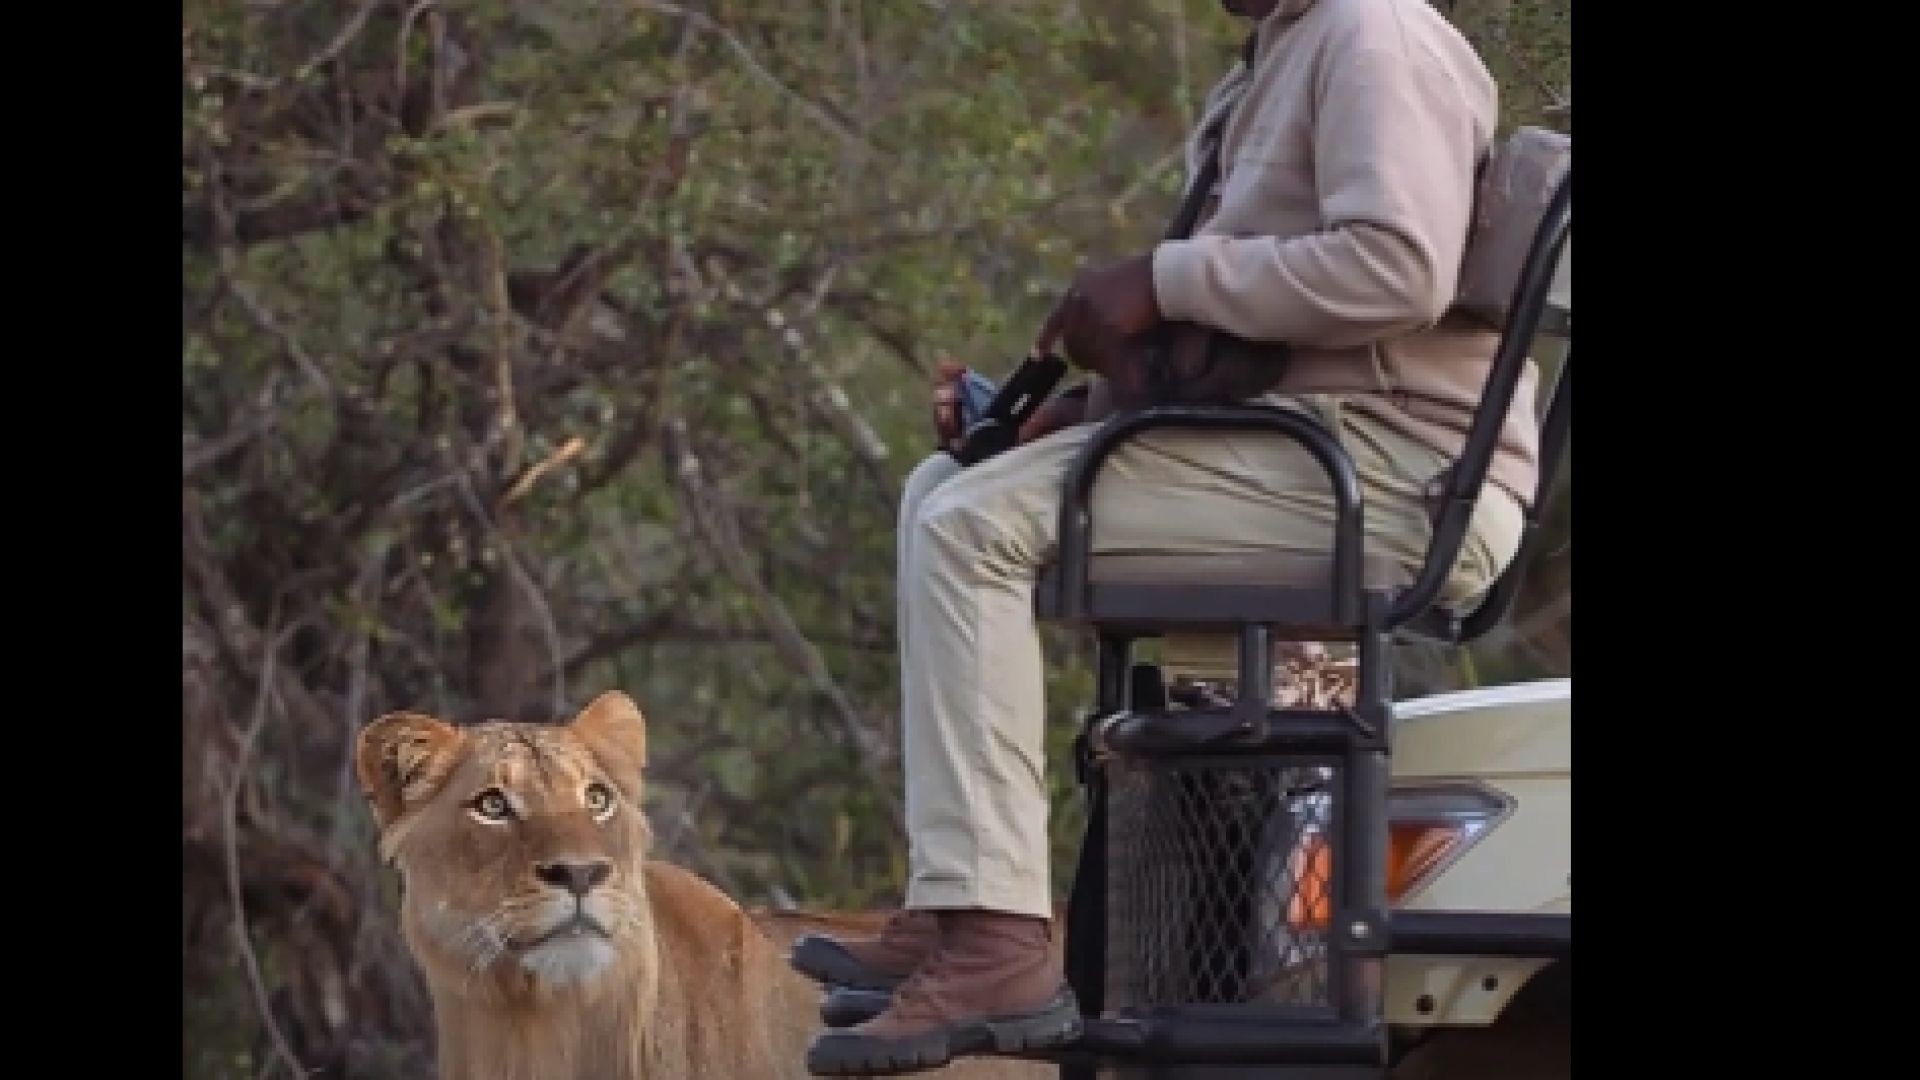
(1347,183)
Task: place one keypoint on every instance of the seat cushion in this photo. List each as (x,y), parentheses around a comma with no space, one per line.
(1288,569)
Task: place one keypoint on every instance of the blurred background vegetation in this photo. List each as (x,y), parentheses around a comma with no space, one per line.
(532,348)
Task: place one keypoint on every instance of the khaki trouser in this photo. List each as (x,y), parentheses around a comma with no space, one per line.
(971,544)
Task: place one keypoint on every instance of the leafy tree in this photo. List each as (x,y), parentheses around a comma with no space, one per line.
(535,348)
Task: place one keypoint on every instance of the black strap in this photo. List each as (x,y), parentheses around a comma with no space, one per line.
(1199,188)
(1187,218)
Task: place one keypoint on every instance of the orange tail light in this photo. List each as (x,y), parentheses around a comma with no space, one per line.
(1416,848)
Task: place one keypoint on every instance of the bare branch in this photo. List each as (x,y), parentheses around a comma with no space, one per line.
(340,41)
(400,47)
(813,111)
(716,524)
(353,711)
(280,222)
(228,616)
(564,453)
(265,320)
(1147,178)
(198,453)
(525,581)
(506,431)
(255,979)
(829,397)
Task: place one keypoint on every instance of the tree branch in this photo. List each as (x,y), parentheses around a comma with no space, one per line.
(759,71)
(714,520)
(230,820)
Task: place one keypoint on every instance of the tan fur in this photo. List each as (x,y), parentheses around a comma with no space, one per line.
(685,985)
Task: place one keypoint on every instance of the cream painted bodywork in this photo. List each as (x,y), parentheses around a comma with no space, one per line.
(1518,741)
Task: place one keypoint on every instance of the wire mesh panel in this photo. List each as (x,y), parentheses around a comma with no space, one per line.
(1220,881)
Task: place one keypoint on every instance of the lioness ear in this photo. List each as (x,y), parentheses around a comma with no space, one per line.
(402,760)
(616,733)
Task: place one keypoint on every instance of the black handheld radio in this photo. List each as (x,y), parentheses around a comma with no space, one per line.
(993,426)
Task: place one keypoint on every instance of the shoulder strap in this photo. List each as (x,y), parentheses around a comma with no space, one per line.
(1187,218)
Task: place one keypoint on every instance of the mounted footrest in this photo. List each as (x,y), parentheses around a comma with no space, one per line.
(1233,934)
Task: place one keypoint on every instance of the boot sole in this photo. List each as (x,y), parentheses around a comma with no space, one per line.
(849,1053)
(825,962)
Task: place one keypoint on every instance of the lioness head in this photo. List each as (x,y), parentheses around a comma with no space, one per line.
(520,846)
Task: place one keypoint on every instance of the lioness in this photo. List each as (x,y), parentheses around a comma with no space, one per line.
(552,947)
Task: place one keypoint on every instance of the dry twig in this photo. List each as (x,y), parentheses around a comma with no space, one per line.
(255,979)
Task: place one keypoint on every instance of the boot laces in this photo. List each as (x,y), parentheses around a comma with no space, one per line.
(916,994)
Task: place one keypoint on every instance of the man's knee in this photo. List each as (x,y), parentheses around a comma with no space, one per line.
(932,472)
(964,530)
(946,519)
(998,515)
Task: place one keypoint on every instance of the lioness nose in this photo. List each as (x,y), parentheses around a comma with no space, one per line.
(578,878)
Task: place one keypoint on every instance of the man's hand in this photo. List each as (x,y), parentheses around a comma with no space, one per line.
(946,402)
(1105,309)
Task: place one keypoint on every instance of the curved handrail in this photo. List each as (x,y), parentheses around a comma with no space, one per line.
(1075,541)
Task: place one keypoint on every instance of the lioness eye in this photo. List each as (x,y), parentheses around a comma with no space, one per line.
(493,806)
(599,800)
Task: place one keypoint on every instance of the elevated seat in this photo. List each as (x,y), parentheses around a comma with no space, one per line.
(1154,592)
(1283,569)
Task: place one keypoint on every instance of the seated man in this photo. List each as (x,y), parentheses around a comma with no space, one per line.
(1347,177)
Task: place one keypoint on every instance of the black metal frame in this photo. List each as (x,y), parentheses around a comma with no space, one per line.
(1413,609)
(1344,609)
(1510,935)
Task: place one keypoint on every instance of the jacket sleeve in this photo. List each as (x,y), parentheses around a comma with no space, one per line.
(1395,143)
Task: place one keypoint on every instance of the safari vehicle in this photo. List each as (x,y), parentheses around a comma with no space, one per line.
(1366,890)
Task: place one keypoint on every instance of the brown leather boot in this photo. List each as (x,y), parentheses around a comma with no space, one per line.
(876,963)
(992,987)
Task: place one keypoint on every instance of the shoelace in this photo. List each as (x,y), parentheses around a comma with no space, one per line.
(914,991)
